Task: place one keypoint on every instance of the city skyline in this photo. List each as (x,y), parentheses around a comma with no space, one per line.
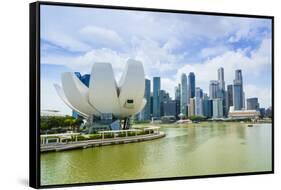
(166,51)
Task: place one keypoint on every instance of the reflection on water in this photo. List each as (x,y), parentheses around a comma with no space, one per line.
(187,150)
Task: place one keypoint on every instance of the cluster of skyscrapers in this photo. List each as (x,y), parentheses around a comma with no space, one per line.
(192,101)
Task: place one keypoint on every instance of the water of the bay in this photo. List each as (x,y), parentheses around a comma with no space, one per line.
(187,150)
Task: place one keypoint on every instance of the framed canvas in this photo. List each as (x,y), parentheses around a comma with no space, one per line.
(127,94)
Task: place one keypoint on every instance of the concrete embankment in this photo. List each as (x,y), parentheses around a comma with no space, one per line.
(100,142)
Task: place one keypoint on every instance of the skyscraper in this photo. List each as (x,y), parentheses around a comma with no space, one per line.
(163,97)
(151,103)
(86,79)
(184,96)
(191,85)
(170,108)
(238,75)
(198,92)
(221,91)
(198,101)
(178,99)
(207,106)
(198,106)
(253,104)
(229,97)
(238,94)
(191,107)
(221,78)
(156,98)
(217,108)
(178,92)
(146,110)
(214,89)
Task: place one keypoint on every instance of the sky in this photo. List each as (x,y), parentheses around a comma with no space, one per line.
(168,44)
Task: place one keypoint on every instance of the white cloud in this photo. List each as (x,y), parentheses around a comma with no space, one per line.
(168,84)
(161,41)
(101,37)
(64,40)
(213,51)
(252,67)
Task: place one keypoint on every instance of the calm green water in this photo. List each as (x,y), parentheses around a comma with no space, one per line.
(201,149)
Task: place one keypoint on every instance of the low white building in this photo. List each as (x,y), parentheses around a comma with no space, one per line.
(242,113)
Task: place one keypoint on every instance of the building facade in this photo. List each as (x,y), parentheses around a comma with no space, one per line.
(191,107)
(163,97)
(214,89)
(178,92)
(198,106)
(146,112)
(238,93)
(229,97)
(156,96)
(184,96)
(170,108)
(191,85)
(217,108)
(242,114)
(253,104)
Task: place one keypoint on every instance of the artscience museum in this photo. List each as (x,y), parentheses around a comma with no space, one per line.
(106,102)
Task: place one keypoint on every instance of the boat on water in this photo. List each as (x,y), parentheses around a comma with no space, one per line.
(250,125)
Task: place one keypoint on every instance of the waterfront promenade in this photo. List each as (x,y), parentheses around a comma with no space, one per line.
(100,142)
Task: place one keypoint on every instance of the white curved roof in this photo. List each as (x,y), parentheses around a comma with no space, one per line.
(103,89)
(103,94)
(131,87)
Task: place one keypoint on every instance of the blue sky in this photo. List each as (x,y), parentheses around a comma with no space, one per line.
(73,38)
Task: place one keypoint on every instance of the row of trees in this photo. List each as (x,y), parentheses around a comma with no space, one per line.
(51,122)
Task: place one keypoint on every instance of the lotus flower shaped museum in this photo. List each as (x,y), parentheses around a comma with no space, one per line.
(105,95)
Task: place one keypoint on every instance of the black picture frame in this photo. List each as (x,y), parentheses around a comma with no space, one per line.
(34,91)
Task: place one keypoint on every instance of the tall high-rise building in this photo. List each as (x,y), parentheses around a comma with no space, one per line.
(184,96)
(229,97)
(145,113)
(151,103)
(243,101)
(191,85)
(253,104)
(221,78)
(198,92)
(207,106)
(221,91)
(170,108)
(238,75)
(156,96)
(178,92)
(217,108)
(86,79)
(163,97)
(198,101)
(191,107)
(238,93)
(198,106)
(214,89)
(178,99)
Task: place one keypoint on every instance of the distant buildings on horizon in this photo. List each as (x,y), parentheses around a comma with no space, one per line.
(191,100)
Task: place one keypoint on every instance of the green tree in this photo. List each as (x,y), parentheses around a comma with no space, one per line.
(197,118)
